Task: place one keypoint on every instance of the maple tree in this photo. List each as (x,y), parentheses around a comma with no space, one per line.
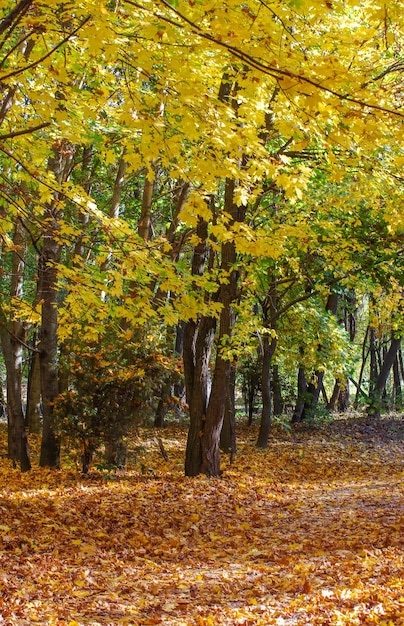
(138,136)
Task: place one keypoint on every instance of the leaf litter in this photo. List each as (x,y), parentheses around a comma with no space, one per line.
(308,531)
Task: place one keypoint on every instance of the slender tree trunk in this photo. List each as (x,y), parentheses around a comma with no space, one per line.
(373,373)
(362,370)
(87,172)
(33,412)
(18,449)
(144,223)
(48,346)
(12,335)
(398,398)
(301,392)
(374,407)
(269,346)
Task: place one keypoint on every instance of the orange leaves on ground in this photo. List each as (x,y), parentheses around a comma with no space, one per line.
(309,531)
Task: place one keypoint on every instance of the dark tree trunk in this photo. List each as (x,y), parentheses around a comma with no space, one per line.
(398,397)
(269,346)
(373,373)
(332,404)
(48,346)
(198,342)
(209,436)
(339,400)
(251,372)
(312,396)
(375,404)
(223,365)
(301,392)
(362,370)
(18,450)
(12,335)
(344,399)
(197,347)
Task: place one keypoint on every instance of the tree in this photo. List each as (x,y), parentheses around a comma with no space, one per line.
(105,84)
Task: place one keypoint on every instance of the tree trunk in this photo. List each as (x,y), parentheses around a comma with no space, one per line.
(198,342)
(269,346)
(33,412)
(373,373)
(144,223)
(12,336)
(398,397)
(48,346)
(197,347)
(18,450)
(362,369)
(301,392)
(374,407)
(223,365)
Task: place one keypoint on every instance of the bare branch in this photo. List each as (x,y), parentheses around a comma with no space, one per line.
(21,8)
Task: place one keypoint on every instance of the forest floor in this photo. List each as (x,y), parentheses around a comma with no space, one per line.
(308,531)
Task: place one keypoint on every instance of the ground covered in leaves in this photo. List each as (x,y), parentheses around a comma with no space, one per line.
(309,531)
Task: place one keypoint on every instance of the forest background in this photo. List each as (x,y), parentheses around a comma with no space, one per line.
(197,200)
(201,228)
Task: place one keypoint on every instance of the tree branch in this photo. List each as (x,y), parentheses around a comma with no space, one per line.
(258,64)
(17,133)
(47,55)
(21,8)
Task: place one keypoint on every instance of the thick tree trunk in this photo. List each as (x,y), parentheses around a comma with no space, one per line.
(197,347)
(223,365)
(198,342)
